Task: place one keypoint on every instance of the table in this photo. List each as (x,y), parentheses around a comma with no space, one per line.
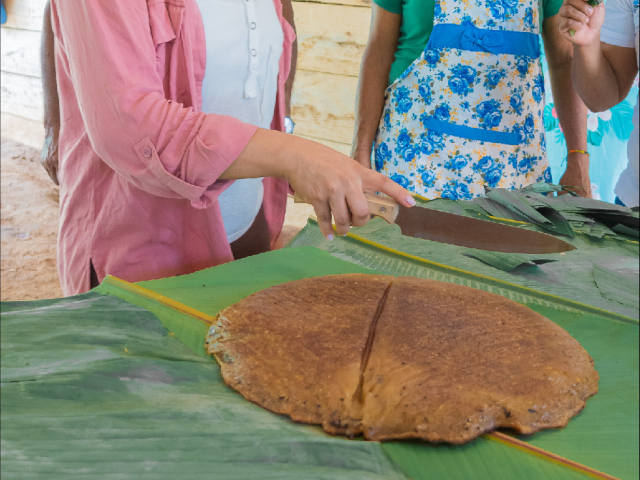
(115,383)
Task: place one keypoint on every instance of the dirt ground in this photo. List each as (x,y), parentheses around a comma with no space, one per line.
(29,223)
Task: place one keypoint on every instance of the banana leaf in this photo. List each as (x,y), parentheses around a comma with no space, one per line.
(623,229)
(604,436)
(382,247)
(617,286)
(516,203)
(95,387)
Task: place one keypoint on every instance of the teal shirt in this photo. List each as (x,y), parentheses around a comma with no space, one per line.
(417,23)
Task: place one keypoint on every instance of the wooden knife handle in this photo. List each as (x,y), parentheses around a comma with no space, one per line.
(379,206)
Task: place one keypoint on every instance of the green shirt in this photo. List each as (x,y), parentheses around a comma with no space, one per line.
(417,23)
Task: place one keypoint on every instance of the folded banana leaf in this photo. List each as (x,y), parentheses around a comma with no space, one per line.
(632,232)
(620,286)
(514,202)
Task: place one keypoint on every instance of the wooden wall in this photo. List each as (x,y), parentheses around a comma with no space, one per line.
(21,95)
(331,39)
(332,35)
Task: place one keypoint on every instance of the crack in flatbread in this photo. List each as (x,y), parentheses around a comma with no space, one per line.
(401,358)
(366,353)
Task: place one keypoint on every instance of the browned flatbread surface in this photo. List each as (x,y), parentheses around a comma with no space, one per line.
(449,363)
(401,358)
(297,348)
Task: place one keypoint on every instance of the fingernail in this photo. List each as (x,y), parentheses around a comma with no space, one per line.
(589,10)
(330,237)
(411,201)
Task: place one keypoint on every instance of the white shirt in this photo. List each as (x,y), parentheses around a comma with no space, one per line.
(244,44)
(621,29)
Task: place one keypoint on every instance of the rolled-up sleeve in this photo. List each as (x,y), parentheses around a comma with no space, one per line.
(159,145)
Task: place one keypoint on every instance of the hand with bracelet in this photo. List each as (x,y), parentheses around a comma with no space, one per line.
(603,69)
(576,176)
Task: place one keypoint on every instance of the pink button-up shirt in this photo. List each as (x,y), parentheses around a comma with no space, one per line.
(139,161)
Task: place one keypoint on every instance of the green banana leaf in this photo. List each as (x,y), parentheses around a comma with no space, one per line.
(95,387)
(604,436)
(569,277)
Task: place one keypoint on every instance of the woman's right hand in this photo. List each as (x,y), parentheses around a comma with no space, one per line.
(579,22)
(334,184)
(331,182)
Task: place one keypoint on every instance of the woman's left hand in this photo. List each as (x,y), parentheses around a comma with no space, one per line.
(579,22)
(577,175)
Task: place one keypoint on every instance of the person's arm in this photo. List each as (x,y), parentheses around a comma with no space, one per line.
(603,73)
(333,183)
(374,76)
(49,155)
(172,151)
(572,112)
(287,13)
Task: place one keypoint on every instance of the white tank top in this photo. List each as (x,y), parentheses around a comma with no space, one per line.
(244,44)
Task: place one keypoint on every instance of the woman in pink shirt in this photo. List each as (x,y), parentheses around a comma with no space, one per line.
(141,167)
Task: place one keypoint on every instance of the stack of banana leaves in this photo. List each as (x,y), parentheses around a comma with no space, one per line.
(561,215)
(601,271)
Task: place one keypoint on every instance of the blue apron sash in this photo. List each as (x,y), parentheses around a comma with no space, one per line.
(471,38)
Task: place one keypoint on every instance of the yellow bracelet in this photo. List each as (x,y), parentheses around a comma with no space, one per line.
(578,151)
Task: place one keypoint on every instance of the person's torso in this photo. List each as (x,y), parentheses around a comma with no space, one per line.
(417,25)
(633,149)
(125,230)
(618,31)
(244,44)
(467,113)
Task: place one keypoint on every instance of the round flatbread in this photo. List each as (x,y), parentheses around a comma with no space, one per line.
(401,358)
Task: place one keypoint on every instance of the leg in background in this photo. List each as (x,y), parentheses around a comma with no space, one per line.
(256,240)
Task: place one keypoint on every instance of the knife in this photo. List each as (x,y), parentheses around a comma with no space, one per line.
(463,231)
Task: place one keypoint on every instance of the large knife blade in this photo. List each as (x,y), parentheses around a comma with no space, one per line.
(471,232)
(463,231)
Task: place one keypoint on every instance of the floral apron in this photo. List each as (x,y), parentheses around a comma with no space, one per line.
(468,112)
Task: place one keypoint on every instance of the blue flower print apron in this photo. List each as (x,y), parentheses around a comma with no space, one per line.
(468,112)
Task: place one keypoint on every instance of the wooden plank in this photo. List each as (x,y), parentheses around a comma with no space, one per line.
(323,104)
(331,38)
(20,52)
(24,14)
(21,96)
(355,3)
(343,148)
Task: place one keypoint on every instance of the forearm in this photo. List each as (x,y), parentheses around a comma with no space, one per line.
(287,12)
(594,78)
(374,74)
(268,154)
(369,100)
(49,84)
(571,110)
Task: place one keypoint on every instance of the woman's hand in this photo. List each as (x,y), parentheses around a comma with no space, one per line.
(577,175)
(333,183)
(580,23)
(49,157)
